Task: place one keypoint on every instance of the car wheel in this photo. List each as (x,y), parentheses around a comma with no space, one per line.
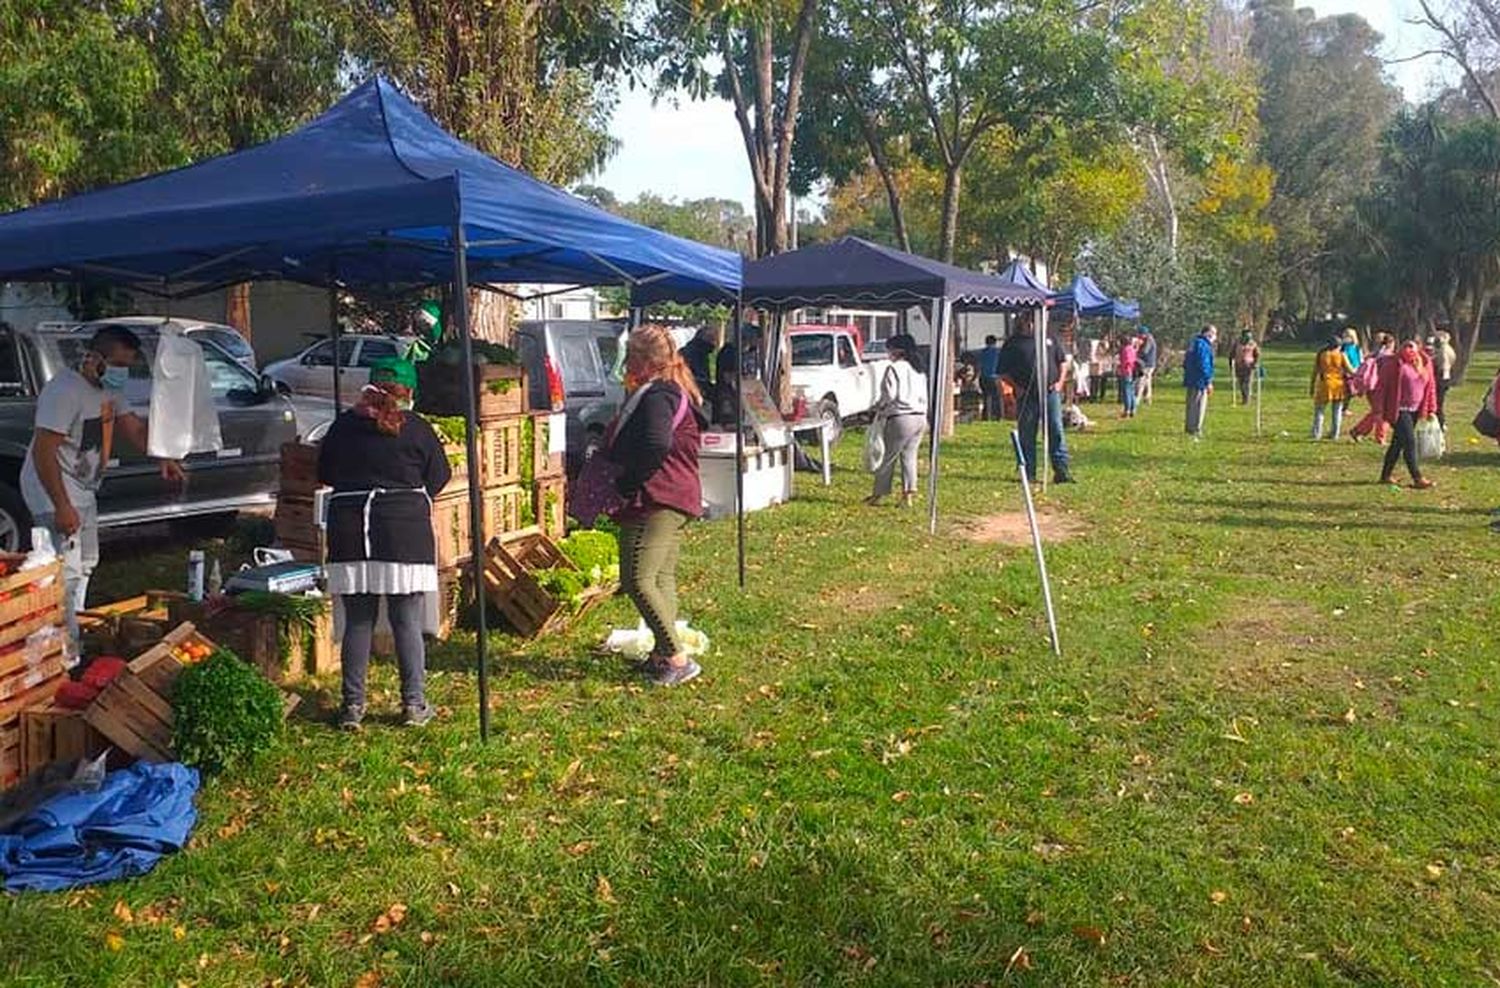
(15,521)
(828,411)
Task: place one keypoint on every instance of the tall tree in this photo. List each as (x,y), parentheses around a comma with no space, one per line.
(753,53)
(1324,104)
(1467,33)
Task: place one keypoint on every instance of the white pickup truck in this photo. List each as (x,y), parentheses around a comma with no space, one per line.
(829,370)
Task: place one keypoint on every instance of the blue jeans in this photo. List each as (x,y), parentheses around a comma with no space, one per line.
(1127,394)
(1027,421)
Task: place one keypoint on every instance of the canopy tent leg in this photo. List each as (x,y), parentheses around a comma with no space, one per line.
(1044,452)
(333,332)
(940,391)
(739,437)
(1036,543)
(476,494)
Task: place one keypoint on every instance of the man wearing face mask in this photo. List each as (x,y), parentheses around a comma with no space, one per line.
(76,423)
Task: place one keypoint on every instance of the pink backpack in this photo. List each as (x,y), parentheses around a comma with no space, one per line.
(1363,380)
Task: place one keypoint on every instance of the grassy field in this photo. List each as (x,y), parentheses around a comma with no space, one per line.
(1268,756)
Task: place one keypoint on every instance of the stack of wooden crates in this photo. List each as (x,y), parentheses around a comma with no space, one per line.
(524,489)
(33,661)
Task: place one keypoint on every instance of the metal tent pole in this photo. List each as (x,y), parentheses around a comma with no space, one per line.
(1036,542)
(471,446)
(333,331)
(739,437)
(1044,452)
(939,390)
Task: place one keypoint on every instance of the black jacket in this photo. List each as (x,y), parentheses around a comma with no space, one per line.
(1018,361)
(659,462)
(357,456)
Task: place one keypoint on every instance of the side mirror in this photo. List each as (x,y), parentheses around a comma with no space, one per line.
(270,387)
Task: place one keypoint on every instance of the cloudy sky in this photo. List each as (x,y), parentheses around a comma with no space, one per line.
(693,150)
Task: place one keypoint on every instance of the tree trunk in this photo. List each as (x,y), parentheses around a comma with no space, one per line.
(882,163)
(952,188)
(1468,343)
(237,308)
(1162,179)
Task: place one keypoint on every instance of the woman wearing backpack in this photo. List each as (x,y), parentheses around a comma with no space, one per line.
(902,408)
(654,443)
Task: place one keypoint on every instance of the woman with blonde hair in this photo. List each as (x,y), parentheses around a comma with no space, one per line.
(654,443)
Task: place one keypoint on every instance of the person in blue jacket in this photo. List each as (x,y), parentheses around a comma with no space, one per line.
(1198,378)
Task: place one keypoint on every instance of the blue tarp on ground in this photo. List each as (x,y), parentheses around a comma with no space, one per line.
(856,272)
(121,829)
(1085,297)
(366,195)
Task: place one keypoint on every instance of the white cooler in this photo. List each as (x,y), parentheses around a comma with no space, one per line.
(768,475)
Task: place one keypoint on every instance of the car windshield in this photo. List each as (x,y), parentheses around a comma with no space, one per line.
(812,350)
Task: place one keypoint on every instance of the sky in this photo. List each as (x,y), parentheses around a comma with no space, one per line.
(694,151)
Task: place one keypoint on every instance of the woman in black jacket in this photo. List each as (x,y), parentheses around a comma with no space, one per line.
(384,464)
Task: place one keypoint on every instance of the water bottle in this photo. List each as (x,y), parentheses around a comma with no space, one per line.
(215,577)
(195,575)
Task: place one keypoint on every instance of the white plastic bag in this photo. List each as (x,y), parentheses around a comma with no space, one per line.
(638,642)
(183,417)
(1429,439)
(875,444)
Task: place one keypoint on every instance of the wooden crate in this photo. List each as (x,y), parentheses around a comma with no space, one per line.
(125,627)
(507,510)
(501,451)
(544,463)
(299,468)
(550,506)
(10,710)
(32,674)
(450,526)
(296,520)
(499,391)
(50,733)
(509,585)
(10,759)
(133,711)
(23,595)
(257,639)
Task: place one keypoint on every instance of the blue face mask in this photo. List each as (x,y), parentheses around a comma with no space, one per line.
(114,378)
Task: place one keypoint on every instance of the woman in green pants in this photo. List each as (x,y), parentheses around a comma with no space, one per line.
(655,444)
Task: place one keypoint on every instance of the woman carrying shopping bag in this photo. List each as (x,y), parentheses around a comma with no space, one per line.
(1407,396)
(902,412)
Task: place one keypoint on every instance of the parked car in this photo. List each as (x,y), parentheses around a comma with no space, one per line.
(229,339)
(831,373)
(253,417)
(311,371)
(570,364)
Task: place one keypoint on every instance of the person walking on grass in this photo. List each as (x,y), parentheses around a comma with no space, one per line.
(901,411)
(1329,388)
(1128,365)
(1146,389)
(1018,366)
(1443,359)
(1356,357)
(654,442)
(1198,378)
(989,378)
(385,465)
(1246,360)
(1368,381)
(1407,395)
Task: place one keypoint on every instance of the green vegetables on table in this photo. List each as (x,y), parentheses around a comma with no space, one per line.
(225,713)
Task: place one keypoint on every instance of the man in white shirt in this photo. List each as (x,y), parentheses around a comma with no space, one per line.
(76,420)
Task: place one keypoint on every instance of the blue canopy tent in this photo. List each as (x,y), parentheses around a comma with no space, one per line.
(1017,273)
(1084,297)
(372,195)
(852,271)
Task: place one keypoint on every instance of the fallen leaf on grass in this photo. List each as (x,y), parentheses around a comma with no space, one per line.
(122,912)
(1020,960)
(577,850)
(1218,897)
(1048,849)
(390,919)
(1435,871)
(114,941)
(900,797)
(1244,798)
(1350,716)
(179,932)
(370,979)
(1092,934)
(1209,948)
(1035,918)
(605,892)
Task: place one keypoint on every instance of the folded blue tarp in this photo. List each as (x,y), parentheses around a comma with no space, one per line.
(120,830)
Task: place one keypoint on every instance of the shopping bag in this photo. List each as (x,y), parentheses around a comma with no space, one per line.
(875,444)
(1486,422)
(593,493)
(1429,439)
(183,416)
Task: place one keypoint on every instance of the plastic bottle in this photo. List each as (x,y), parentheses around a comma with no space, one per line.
(215,577)
(195,575)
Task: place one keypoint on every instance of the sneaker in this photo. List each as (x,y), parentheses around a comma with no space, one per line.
(670,675)
(417,715)
(1064,478)
(351,718)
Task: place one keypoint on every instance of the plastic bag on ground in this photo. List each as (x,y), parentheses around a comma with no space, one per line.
(637,642)
(183,417)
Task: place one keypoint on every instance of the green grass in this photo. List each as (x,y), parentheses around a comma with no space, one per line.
(1268,756)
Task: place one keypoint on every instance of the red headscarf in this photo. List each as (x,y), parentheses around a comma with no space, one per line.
(382,402)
